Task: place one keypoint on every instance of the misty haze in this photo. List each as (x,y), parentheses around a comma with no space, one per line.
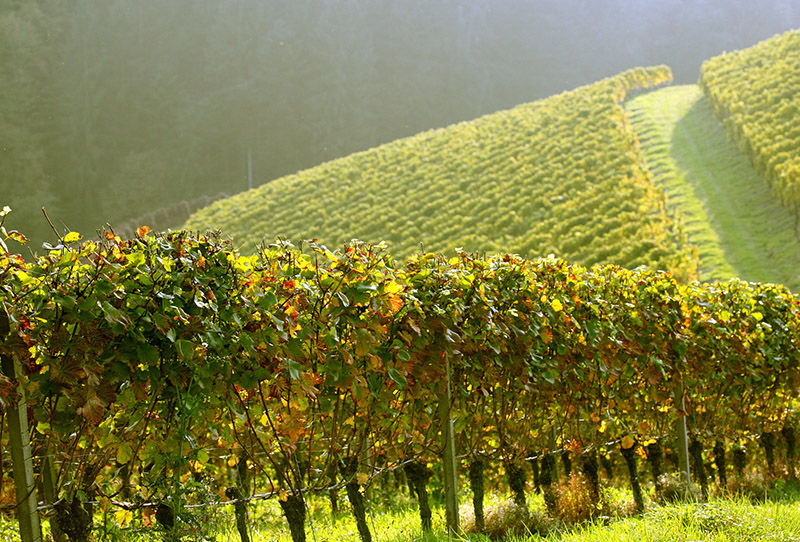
(115,110)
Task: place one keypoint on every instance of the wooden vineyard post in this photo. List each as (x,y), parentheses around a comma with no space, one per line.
(449,457)
(682,439)
(24,483)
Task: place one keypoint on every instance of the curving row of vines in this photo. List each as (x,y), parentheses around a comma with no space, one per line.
(559,176)
(756,92)
(155,362)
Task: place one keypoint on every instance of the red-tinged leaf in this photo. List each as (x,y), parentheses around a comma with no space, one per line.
(18,237)
(141,231)
(293,428)
(395,303)
(93,410)
(6,388)
(364,341)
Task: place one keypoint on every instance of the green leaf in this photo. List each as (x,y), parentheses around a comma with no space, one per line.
(295,369)
(214,340)
(268,300)
(161,321)
(397,377)
(124,453)
(113,315)
(185,348)
(147,354)
(136,259)
(66,301)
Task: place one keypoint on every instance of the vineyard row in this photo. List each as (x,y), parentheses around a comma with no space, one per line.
(146,352)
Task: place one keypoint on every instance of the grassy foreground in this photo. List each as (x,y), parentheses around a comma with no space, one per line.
(733,519)
(728,211)
(720,520)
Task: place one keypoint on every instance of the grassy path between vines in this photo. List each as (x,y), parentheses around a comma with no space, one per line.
(739,227)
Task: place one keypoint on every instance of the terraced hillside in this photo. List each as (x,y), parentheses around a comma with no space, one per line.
(729,213)
(756,93)
(559,176)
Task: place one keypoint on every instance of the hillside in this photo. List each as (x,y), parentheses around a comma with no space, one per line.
(728,212)
(558,176)
(756,93)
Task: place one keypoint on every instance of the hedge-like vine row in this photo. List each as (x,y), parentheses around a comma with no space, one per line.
(150,360)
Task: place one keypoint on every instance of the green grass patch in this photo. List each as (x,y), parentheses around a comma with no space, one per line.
(727,209)
(734,519)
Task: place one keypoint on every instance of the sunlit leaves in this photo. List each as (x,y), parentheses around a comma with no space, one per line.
(289,352)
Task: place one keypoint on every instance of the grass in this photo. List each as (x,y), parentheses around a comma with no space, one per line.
(728,211)
(720,520)
(734,520)
(395,519)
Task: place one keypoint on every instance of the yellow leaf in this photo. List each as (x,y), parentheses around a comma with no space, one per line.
(362,478)
(72,236)
(628,442)
(392,287)
(557,306)
(123,517)
(264,420)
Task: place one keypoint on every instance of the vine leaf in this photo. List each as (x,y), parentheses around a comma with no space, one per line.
(72,237)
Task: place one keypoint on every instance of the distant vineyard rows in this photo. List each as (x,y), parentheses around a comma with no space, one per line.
(560,176)
(160,357)
(756,92)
